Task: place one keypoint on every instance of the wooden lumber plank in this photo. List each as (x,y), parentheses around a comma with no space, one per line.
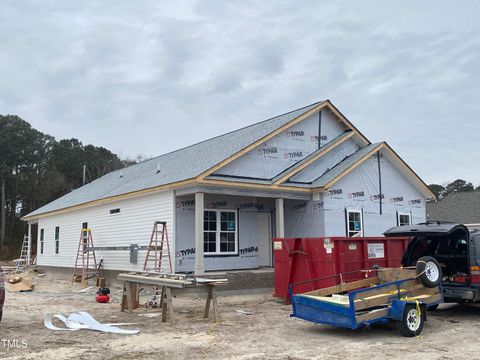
(381,299)
(152,280)
(364,293)
(129,297)
(394,274)
(375,314)
(432,299)
(207,304)
(425,298)
(344,287)
(424,291)
(171,313)
(418,291)
(123,304)
(216,314)
(134,292)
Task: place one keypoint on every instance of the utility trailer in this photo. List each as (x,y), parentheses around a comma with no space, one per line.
(400,294)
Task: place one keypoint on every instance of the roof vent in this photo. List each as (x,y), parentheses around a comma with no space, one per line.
(121,173)
(158,169)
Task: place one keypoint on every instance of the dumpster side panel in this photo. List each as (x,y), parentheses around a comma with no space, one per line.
(303,259)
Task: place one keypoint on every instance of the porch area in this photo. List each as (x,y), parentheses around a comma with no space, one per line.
(228,229)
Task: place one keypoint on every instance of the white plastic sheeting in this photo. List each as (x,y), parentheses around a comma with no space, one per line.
(247,209)
(82,321)
(304,218)
(282,151)
(330,127)
(358,191)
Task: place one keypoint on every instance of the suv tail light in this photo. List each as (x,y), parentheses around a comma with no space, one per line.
(475,274)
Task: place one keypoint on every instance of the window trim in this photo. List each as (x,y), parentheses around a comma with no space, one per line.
(355,233)
(218,231)
(404,214)
(57,240)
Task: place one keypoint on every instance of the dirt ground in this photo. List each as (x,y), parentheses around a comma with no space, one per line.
(269,333)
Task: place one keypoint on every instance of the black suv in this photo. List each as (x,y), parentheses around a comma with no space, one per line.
(455,248)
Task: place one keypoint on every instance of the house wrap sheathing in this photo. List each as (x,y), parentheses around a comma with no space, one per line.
(306,173)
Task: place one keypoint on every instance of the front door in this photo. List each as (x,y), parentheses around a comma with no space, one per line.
(264,237)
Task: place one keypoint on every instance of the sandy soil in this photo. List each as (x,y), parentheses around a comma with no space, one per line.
(450,333)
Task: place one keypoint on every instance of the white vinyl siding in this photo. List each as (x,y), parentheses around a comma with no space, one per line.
(133,225)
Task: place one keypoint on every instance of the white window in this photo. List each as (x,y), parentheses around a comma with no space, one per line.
(220,232)
(404,219)
(42,238)
(85,234)
(57,239)
(354,225)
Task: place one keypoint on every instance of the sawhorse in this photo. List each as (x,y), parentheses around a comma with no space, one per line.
(166,300)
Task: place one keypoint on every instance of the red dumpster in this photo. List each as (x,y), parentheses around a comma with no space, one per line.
(302,259)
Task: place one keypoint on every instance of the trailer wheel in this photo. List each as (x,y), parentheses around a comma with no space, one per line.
(429,271)
(412,321)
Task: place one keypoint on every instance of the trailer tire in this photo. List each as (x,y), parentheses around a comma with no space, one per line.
(412,321)
(429,271)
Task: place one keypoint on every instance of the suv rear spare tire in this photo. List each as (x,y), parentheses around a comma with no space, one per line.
(429,271)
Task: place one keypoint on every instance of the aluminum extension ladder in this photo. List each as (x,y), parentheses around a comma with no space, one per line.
(21,264)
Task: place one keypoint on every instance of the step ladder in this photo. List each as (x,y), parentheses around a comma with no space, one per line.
(21,264)
(86,262)
(158,258)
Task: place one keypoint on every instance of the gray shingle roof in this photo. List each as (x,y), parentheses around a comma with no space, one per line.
(178,165)
(463,208)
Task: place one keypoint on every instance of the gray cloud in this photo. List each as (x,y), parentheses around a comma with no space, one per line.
(149,77)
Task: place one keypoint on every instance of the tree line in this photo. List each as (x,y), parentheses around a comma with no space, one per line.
(36,169)
(457,186)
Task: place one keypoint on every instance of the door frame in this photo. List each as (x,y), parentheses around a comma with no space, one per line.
(268,217)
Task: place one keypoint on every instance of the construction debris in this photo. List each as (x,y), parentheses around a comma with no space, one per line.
(18,284)
(86,289)
(244,312)
(150,315)
(83,321)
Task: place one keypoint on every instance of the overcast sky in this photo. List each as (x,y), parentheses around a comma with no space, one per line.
(148,77)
